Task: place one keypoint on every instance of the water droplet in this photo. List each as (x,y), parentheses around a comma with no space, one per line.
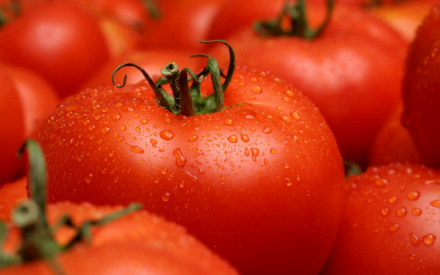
(193,138)
(289,93)
(167,120)
(229,122)
(429,239)
(166,134)
(120,138)
(118,105)
(111,154)
(74,107)
(413,195)
(294,115)
(123,127)
(385,211)
(245,138)
(288,182)
(254,79)
(257,89)
(285,99)
(91,127)
(180,159)
(298,178)
(153,143)
(246,152)
(285,119)
(89,178)
(267,130)
(286,166)
(279,108)
(166,197)
(232,139)
(393,200)
(164,171)
(412,257)
(182,184)
(255,152)
(381,182)
(105,130)
(136,149)
(144,121)
(273,151)
(116,117)
(414,239)
(416,212)
(401,212)
(394,228)
(97,117)
(435,203)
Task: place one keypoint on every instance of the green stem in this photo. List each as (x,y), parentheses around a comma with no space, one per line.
(152,9)
(298,22)
(171,72)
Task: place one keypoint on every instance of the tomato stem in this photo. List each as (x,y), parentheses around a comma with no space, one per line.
(298,22)
(152,9)
(189,100)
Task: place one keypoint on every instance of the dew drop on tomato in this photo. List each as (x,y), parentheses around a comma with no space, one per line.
(136,149)
(415,240)
(394,228)
(232,139)
(166,197)
(166,134)
(413,195)
(435,203)
(429,239)
(401,212)
(180,159)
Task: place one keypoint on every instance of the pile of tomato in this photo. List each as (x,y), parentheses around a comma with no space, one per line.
(219,137)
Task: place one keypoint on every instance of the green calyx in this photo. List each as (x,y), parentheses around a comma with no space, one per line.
(37,236)
(188,100)
(298,22)
(351,168)
(8,10)
(152,9)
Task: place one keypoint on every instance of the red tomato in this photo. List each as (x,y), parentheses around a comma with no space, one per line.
(139,243)
(181,24)
(265,174)
(38,98)
(151,60)
(352,72)
(405,16)
(11,193)
(60,41)
(390,223)
(420,89)
(393,143)
(12,127)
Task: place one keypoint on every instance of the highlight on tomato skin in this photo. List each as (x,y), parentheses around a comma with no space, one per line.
(390,223)
(263,174)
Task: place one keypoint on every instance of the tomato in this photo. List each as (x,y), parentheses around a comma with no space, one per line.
(11,193)
(181,24)
(151,60)
(58,40)
(420,90)
(352,71)
(38,98)
(390,223)
(404,16)
(48,239)
(393,143)
(262,174)
(12,127)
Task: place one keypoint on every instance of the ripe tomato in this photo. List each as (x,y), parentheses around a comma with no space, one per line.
(38,98)
(390,223)
(263,174)
(151,60)
(405,16)
(11,193)
(352,71)
(393,143)
(420,89)
(58,40)
(12,127)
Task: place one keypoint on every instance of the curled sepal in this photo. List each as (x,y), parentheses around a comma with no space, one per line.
(351,168)
(165,99)
(298,22)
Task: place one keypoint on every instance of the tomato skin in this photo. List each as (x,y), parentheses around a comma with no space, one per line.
(38,98)
(342,71)
(420,90)
(139,243)
(11,193)
(387,227)
(12,127)
(393,143)
(67,44)
(244,181)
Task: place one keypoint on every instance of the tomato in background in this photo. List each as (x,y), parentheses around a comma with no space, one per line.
(59,40)
(264,174)
(352,71)
(38,98)
(390,223)
(421,84)
(393,143)
(12,127)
